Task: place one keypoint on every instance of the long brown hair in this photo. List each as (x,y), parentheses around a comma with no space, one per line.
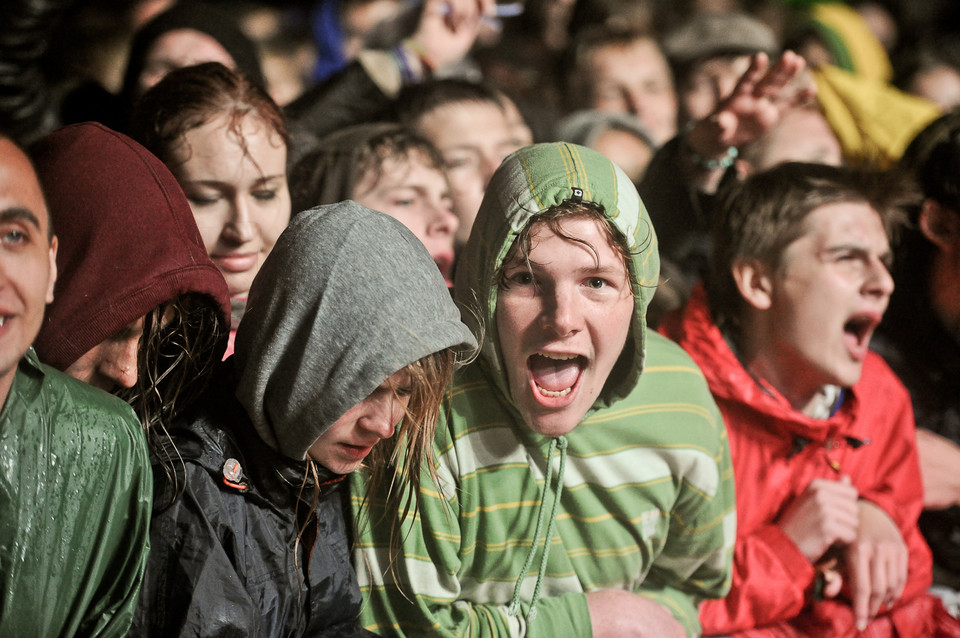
(182,342)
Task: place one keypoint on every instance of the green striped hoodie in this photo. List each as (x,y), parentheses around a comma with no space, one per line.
(646,502)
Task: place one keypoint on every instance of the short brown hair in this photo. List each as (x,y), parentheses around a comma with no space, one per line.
(768,211)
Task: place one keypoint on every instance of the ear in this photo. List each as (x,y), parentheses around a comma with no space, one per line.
(754,282)
(940,225)
(53,268)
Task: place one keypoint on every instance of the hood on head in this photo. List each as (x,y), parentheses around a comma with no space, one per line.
(347,297)
(127,239)
(533,180)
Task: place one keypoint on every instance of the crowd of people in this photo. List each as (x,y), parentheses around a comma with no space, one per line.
(448,317)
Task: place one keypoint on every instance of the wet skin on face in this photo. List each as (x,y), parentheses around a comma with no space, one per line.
(239,197)
(562,323)
(344,446)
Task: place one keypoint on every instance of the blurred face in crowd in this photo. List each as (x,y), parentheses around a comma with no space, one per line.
(238,192)
(28,260)
(801,135)
(416,194)
(635,78)
(940,84)
(626,150)
(473,138)
(177,49)
(562,320)
(709,82)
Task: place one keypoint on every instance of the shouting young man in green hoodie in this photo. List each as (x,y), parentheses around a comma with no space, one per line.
(578,497)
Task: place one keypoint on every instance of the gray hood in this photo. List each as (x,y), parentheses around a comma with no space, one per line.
(347,297)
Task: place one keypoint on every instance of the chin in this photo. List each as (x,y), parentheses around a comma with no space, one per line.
(552,425)
(845,376)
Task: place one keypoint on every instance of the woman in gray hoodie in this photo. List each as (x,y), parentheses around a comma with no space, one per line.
(347,345)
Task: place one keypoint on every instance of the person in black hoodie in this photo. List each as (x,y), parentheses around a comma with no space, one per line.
(345,350)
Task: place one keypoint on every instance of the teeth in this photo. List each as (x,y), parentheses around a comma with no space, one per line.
(557,357)
(550,393)
(3,320)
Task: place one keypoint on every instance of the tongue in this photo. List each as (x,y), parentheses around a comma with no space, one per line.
(554,375)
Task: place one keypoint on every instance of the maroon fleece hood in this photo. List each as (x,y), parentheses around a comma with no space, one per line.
(128,240)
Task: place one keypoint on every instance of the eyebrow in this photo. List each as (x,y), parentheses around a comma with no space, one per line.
(269,178)
(19,213)
(215,183)
(886,257)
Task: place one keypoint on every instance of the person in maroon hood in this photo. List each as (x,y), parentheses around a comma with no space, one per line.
(140,309)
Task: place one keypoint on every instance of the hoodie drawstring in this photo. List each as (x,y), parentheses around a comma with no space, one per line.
(560,442)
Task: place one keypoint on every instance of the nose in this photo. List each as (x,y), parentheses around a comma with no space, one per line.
(239,227)
(562,314)
(635,103)
(119,364)
(443,221)
(382,414)
(879,281)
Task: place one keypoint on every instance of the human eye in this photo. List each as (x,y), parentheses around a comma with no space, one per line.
(597,283)
(200,199)
(521,278)
(459,161)
(264,195)
(14,236)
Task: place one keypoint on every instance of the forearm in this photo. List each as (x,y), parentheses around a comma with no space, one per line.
(939,459)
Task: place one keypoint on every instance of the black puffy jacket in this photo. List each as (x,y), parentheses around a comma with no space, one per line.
(229,556)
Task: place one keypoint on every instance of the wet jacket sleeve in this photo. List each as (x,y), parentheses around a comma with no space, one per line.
(770,580)
(75,497)
(897,489)
(192,586)
(351,96)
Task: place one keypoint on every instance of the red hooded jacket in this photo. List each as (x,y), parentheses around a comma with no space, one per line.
(776,452)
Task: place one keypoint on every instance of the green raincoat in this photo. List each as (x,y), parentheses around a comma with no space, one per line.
(75,500)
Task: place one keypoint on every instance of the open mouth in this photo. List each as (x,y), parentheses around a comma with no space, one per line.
(444,263)
(860,328)
(556,374)
(3,320)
